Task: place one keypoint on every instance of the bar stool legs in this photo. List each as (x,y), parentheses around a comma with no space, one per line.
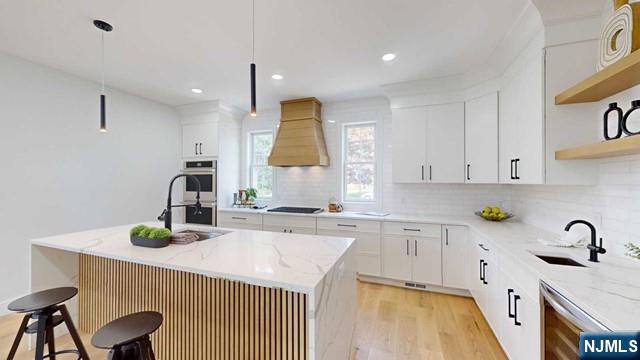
(73,332)
(16,341)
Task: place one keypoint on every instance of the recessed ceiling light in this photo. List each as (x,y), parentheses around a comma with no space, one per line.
(196,91)
(277,77)
(388,57)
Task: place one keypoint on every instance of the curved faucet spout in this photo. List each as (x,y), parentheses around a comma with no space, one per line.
(167,211)
(594,248)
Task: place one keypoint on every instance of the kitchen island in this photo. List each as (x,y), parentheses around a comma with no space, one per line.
(241,295)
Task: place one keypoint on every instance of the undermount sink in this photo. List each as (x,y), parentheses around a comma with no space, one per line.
(203,235)
(559,260)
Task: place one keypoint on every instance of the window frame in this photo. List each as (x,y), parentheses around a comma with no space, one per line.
(344,149)
(250,158)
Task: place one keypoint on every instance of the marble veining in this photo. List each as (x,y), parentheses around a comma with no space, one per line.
(609,290)
(289,261)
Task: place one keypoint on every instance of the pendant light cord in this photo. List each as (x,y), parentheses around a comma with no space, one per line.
(102,33)
(253,31)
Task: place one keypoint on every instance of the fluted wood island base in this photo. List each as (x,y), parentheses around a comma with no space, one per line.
(244,295)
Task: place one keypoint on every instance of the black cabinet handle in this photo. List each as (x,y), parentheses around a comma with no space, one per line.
(422,172)
(512,161)
(290,231)
(407,247)
(200,148)
(509,293)
(430,173)
(482,247)
(484,273)
(347,225)
(468,171)
(446,237)
(238,218)
(515,310)
(517,177)
(415,245)
(481,267)
(406,229)
(196,144)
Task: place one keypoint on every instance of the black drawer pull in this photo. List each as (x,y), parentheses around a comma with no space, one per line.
(348,225)
(482,247)
(509,293)
(515,310)
(238,218)
(405,229)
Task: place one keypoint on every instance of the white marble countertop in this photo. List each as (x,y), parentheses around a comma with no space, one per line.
(609,290)
(290,261)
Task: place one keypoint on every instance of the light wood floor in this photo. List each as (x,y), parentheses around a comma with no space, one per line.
(393,323)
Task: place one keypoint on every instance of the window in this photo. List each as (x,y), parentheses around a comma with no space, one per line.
(260,173)
(359,162)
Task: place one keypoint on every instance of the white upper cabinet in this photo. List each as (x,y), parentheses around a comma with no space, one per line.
(409,153)
(428,144)
(200,140)
(445,143)
(521,134)
(481,139)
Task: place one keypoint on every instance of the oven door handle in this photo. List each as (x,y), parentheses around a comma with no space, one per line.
(571,312)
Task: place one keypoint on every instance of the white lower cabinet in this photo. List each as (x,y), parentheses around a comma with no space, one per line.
(289,224)
(240,220)
(367,235)
(412,257)
(455,248)
(519,320)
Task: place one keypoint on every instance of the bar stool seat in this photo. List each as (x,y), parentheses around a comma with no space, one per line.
(128,336)
(42,307)
(42,299)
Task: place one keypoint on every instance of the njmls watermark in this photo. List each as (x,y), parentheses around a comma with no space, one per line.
(609,345)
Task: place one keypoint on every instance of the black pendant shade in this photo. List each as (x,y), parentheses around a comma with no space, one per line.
(104,27)
(253,90)
(103,114)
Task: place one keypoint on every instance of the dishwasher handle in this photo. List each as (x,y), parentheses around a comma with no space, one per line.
(570,311)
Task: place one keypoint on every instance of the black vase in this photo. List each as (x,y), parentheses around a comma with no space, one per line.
(635,105)
(613,107)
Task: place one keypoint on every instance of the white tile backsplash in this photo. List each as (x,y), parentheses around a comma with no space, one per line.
(613,205)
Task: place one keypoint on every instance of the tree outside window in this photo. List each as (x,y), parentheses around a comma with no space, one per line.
(359,160)
(260,173)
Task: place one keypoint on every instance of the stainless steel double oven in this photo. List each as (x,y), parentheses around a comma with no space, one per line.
(206,173)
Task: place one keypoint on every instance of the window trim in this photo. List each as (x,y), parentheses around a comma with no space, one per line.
(374,162)
(251,165)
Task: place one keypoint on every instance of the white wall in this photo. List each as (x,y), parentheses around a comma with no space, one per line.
(59,174)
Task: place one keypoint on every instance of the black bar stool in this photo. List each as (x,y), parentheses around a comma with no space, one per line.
(128,337)
(42,306)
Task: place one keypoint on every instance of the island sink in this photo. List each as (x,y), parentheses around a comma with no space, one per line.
(559,260)
(203,235)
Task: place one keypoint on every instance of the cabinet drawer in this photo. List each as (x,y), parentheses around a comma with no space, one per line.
(412,229)
(365,243)
(239,218)
(349,225)
(240,226)
(290,221)
(289,229)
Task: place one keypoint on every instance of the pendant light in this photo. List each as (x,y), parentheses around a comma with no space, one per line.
(104,27)
(253,58)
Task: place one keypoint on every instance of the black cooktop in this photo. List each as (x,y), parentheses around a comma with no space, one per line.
(296,210)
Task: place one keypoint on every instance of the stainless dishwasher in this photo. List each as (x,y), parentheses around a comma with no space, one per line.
(563,323)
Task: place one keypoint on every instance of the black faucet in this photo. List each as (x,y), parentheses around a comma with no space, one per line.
(594,249)
(166,213)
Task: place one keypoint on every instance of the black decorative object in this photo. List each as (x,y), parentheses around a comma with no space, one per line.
(253,112)
(150,243)
(104,27)
(613,107)
(635,105)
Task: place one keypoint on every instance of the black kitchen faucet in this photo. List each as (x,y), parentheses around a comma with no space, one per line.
(594,248)
(166,213)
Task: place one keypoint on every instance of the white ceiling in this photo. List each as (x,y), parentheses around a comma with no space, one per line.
(330,49)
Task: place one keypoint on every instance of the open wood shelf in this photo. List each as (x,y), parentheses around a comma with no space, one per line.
(619,147)
(620,76)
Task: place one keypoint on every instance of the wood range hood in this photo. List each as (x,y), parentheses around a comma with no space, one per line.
(300,140)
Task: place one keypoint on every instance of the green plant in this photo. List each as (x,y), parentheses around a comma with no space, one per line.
(252,193)
(136,230)
(145,232)
(634,250)
(159,233)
